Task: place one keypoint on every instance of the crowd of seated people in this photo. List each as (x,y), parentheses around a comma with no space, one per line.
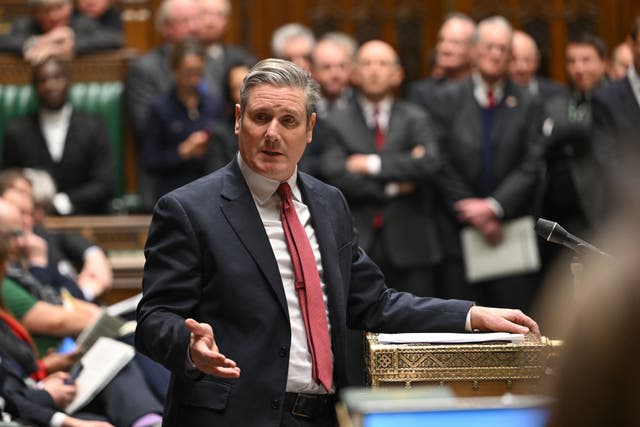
(485,139)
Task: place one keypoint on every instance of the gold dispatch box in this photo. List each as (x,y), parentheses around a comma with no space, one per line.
(484,369)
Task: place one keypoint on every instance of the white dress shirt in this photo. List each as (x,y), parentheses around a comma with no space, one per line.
(268,203)
(55,125)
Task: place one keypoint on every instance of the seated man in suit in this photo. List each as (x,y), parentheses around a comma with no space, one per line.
(52,30)
(67,252)
(267,258)
(73,147)
(103,12)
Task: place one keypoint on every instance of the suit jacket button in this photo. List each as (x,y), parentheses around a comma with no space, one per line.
(275,404)
(283,352)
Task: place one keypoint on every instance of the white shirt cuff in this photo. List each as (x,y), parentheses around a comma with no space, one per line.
(62,203)
(391,189)
(374,164)
(57,419)
(495,207)
(467,323)
(90,250)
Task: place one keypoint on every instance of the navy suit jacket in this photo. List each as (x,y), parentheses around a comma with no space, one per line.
(209,258)
(616,115)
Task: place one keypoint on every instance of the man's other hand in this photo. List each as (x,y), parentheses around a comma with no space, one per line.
(204,352)
(489,319)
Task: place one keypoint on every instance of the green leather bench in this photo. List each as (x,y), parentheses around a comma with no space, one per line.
(104,99)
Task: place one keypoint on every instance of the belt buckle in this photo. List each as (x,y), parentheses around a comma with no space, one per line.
(295,406)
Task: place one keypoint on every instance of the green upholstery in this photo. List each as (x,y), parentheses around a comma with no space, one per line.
(104,99)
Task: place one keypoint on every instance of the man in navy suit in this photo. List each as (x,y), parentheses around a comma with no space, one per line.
(616,107)
(217,262)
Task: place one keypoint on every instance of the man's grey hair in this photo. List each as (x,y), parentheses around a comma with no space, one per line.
(38,3)
(288,32)
(344,40)
(163,14)
(280,73)
(496,21)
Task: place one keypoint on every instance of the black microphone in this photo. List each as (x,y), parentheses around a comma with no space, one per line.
(553,232)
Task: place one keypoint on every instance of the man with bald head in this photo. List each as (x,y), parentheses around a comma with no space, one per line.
(453,60)
(382,157)
(525,61)
(491,144)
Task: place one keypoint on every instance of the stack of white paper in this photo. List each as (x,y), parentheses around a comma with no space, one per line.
(448,338)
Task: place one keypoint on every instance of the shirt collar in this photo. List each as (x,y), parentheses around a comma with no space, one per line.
(481,87)
(384,110)
(62,113)
(263,188)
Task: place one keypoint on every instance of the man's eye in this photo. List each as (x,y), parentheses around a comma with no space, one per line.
(289,121)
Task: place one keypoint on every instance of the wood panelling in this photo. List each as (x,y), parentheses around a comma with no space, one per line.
(410,25)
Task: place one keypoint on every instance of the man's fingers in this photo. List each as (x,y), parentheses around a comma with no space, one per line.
(197,328)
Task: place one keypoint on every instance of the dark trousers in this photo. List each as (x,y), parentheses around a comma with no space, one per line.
(290,420)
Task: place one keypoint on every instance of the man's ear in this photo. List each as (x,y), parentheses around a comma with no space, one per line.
(237,125)
(311,124)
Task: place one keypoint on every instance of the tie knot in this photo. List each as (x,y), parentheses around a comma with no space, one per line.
(284,191)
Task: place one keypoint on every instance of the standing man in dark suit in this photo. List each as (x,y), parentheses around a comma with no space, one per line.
(73,147)
(383,156)
(492,150)
(227,254)
(616,107)
(525,61)
(452,62)
(150,75)
(214,19)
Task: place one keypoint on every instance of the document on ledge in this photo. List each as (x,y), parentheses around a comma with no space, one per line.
(516,254)
(448,338)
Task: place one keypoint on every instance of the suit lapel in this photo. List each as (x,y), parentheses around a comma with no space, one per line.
(321,214)
(240,211)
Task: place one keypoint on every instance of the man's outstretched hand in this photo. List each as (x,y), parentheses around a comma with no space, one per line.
(204,352)
(489,319)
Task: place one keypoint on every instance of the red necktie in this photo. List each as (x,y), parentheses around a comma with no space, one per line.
(380,139)
(491,100)
(307,283)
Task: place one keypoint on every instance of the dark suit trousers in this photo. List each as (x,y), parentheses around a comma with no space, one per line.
(290,420)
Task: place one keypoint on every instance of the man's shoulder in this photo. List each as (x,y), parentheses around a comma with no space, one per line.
(21,123)
(614,90)
(152,61)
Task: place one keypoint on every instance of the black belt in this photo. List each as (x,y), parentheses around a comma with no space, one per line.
(308,405)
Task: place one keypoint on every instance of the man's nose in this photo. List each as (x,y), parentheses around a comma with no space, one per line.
(272,130)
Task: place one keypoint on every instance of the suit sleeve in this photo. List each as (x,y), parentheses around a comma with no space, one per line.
(101,183)
(91,37)
(174,269)
(374,307)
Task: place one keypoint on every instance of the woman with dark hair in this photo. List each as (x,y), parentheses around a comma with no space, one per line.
(177,146)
